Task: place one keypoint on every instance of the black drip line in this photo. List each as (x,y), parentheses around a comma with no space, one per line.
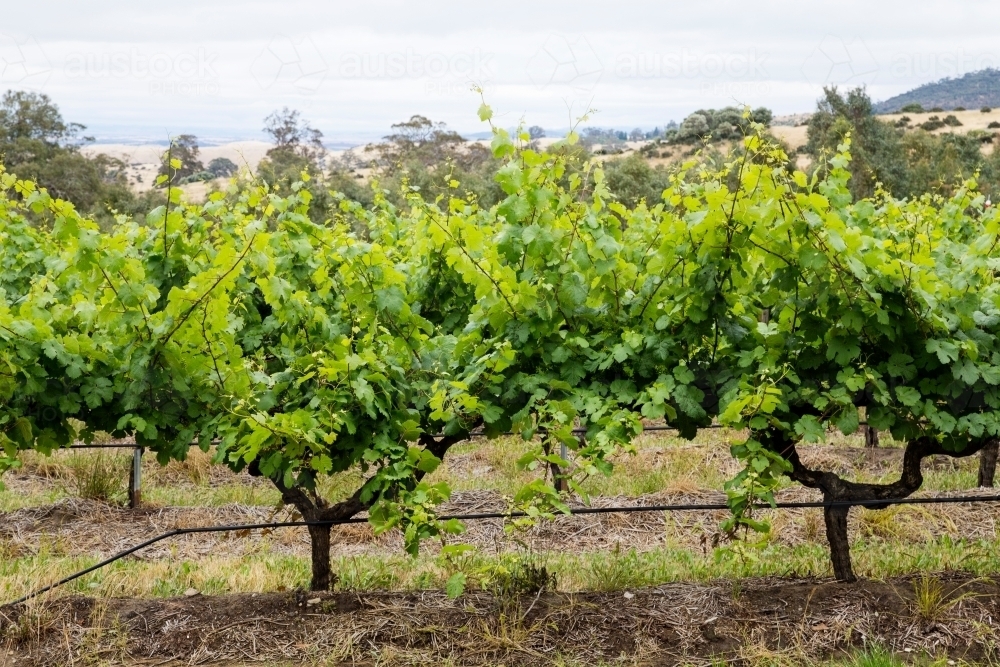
(873,503)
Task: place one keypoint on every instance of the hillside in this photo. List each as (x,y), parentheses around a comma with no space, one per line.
(972,91)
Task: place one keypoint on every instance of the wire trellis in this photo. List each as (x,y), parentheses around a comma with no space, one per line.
(498,515)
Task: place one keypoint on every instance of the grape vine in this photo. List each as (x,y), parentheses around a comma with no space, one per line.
(377,339)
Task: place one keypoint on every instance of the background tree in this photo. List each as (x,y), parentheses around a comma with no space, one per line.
(592,136)
(289,131)
(298,147)
(906,162)
(38,144)
(181,160)
(424,154)
(418,140)
(632,180)
(694,127)
(726,124)
(222,167)
(31,126)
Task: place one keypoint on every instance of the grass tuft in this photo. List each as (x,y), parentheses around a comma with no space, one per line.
(931,602)
(100,476)
(617,571)
(873,657)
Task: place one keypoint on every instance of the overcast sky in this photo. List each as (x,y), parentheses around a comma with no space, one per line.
(135,71)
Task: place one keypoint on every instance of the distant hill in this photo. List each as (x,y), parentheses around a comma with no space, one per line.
(972,91)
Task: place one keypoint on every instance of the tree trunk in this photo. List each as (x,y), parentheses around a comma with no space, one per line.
(988,463)
(322,575)
(840,546)
(871,437)
(835,488)
(314,507)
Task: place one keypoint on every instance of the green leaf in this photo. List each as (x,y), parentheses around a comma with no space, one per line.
(908,396)
(428,462)
(22,433)
(946,350)
(899,365)
(455,585)
(810,429)
(848,420)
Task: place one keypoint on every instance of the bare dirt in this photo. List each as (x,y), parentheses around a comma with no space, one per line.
(79,527)
(737,621)
(666,625)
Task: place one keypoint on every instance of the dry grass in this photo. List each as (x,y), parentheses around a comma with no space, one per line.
(933,601)
(768,622)
(47,531)
(661,464)
(270,567)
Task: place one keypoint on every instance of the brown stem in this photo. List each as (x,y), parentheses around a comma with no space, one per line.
(840,546)
(322,574)
(988,463)
(871,437)
(314,507)
(836,489)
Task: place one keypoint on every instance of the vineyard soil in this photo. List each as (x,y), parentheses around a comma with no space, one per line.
(762,621)
(137,607)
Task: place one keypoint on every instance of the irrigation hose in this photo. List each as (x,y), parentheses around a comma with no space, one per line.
(474,434)
(499,515)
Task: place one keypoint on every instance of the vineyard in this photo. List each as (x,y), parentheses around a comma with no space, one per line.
(384,371)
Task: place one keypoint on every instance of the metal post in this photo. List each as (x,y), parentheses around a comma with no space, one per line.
(561,485)
(135,479)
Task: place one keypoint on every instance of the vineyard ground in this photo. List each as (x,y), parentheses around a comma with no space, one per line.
(388,608)
(750,622)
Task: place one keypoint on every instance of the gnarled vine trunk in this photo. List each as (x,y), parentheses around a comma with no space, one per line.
(837,490)
(322,573)
(988,464)
(871,436)
(314,508)
(835,518)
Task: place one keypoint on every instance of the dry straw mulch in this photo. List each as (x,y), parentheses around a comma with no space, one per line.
(79,527)
(670,624)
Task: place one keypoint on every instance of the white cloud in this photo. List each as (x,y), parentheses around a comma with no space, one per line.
(218,68)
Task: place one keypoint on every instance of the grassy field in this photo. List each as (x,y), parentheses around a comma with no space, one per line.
(661,464)
(63,513)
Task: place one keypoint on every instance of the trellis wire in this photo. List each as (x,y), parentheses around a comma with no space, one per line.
(135,477)
(499,515)
(474,434)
